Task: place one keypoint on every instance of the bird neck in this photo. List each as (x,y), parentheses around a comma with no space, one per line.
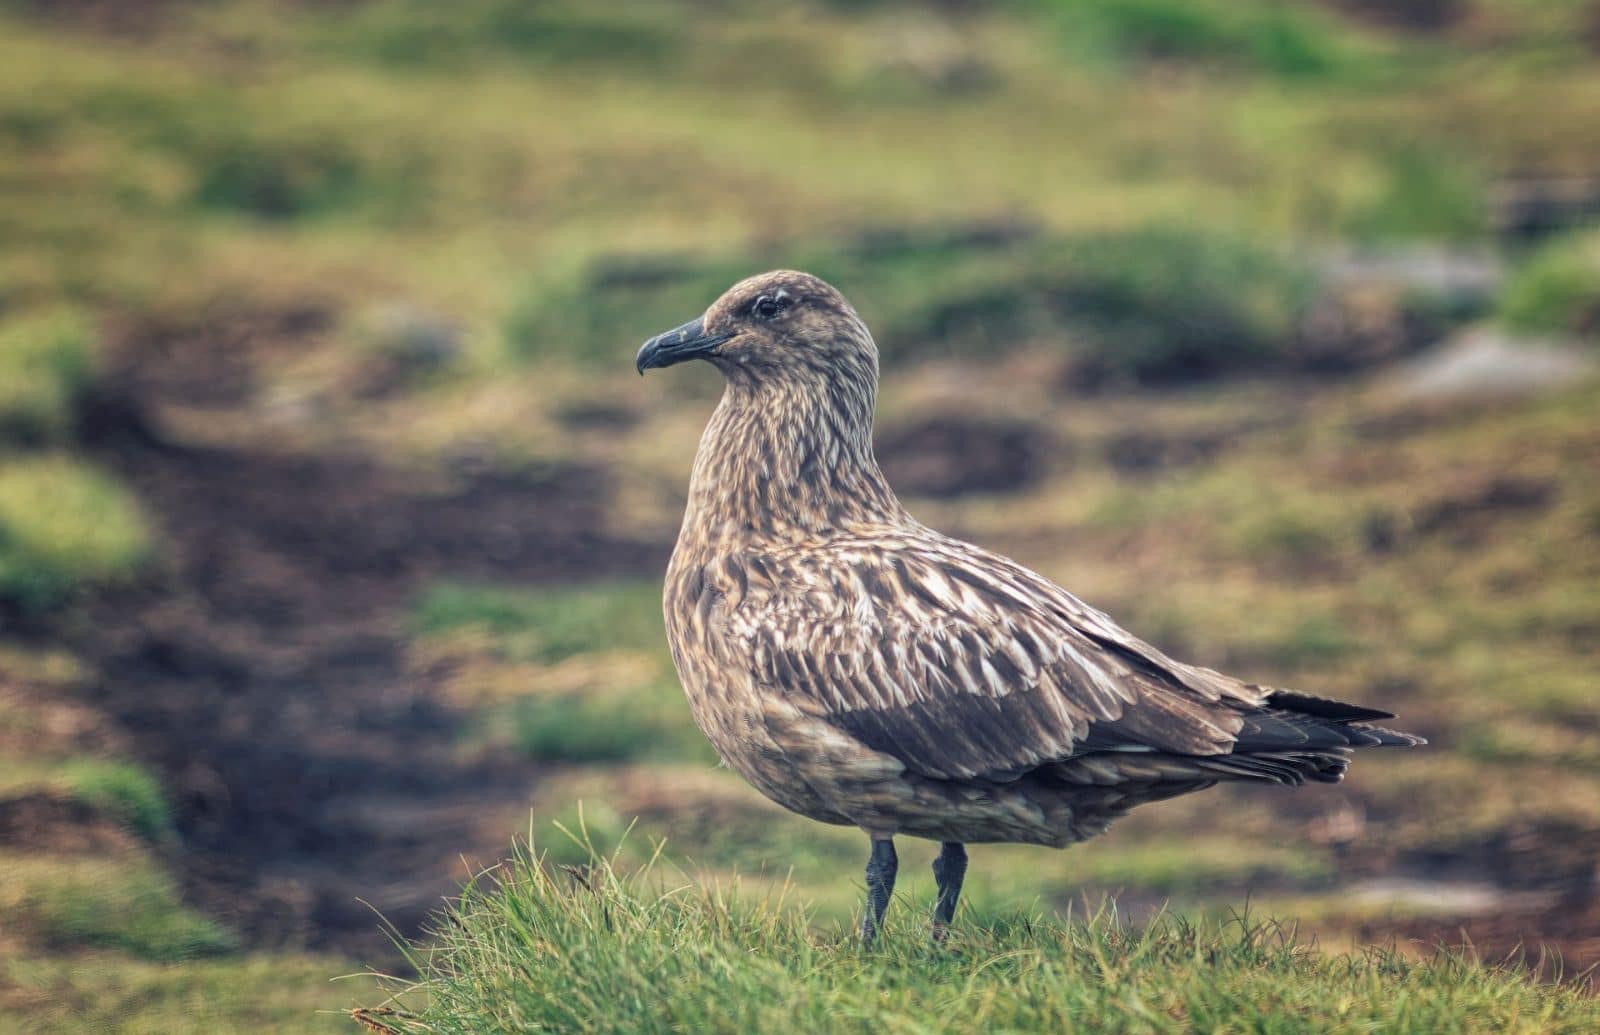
(789,458)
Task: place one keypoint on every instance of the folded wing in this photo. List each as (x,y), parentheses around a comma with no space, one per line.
(964,664)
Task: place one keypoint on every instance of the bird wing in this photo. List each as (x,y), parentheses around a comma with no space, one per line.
(962,663)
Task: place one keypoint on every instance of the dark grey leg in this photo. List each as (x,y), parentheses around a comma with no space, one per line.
(881,869)
(949,870)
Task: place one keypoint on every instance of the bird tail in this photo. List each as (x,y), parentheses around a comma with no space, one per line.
(1293,738)
(1351,722)
(1299,737)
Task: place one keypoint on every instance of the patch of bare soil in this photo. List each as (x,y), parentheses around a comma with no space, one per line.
(41,821)
(1463,514)
(1422,17)
(261,672)
(951,455)
(1148,451)
(138,18)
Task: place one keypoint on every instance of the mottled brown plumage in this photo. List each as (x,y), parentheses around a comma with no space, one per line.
(860,668)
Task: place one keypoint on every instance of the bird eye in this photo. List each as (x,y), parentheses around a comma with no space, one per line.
(766,307)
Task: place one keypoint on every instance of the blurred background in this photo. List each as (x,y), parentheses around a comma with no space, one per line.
(332,515)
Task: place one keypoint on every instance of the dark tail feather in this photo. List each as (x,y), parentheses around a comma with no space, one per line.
(1323,707)
(1298,737)
(1296,714)
(1295,738)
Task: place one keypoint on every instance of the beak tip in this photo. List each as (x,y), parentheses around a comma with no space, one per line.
(687,342)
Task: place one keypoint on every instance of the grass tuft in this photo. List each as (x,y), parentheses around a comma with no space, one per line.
(123,791)
(591,948)
(45,364)
(1557,290)
(64,524)
(125,904)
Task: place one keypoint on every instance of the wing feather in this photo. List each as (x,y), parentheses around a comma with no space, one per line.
(961,663)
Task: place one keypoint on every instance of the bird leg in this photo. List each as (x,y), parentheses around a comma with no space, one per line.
(949,870)
(882,866)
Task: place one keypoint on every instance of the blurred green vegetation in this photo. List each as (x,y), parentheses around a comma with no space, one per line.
(123,792)
(122,903)
(416,35)
(65,524)
(1292,41)
(46,363)
(624,724)
(610,715)
(128,793)
(1556,290)
(1148,305)
(560,137)
(106,991)
(548,625)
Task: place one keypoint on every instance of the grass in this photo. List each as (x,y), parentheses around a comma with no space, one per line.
(123,792)
(1288,41)
(237,995)
(620,701)
(619,724)
(64,525)
(547,625)
(1149,305)
(1556,290)
(1424,195)
(415,36)
(45,365)
(120,903)
(596,950)
(1192,867)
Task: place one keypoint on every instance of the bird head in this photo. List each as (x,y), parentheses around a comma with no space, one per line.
(778,326)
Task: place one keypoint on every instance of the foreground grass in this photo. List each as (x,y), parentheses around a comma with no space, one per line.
(590,949)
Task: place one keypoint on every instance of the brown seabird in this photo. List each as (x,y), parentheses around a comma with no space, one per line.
(860,668)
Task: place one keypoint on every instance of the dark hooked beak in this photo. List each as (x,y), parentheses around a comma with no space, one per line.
(687,342)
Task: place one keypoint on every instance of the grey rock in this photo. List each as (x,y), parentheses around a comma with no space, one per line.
(1453,276)
(1484,363)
